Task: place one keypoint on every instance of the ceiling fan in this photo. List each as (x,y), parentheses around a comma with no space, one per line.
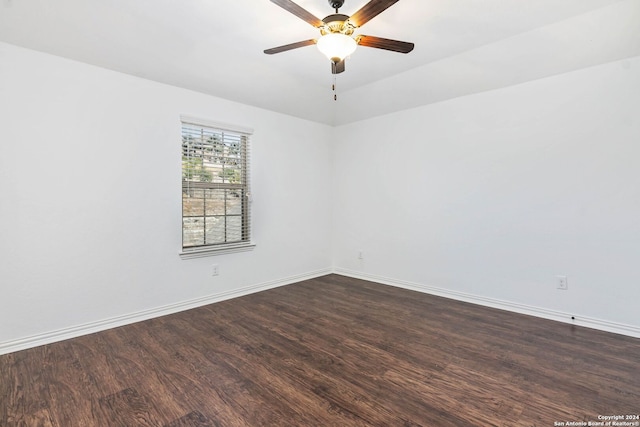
(337,40)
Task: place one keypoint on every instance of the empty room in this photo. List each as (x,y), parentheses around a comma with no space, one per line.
(319,213)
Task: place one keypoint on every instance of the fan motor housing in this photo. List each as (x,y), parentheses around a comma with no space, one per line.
(337,23)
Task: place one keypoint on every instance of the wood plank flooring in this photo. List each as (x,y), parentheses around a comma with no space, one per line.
(331,351)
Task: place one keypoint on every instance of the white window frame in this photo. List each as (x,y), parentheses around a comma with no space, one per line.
(222,248)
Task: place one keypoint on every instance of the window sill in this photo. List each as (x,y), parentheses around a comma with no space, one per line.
(213,251)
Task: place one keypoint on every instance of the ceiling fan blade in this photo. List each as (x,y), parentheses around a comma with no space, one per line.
(337,67)
(301,13)
(290,46)
(387,44)
(369,11)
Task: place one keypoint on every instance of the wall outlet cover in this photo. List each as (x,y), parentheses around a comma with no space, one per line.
(562,283)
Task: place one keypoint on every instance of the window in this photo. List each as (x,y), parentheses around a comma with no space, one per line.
(215,189)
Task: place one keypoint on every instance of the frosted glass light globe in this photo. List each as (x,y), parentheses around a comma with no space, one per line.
(336,46)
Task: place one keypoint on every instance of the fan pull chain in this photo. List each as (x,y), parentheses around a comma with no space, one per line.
(333,88)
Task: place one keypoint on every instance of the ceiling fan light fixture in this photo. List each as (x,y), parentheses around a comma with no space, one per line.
(337,39)
(336,46)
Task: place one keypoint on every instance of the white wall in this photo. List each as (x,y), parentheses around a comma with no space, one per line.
(491,196)
(91,197)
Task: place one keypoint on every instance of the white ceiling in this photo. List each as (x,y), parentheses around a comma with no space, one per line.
(215,47)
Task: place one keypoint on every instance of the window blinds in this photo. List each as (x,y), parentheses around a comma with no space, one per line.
(215,187)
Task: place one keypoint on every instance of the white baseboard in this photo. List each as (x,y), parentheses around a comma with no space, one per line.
(113,322)
(101,325)
(589,322)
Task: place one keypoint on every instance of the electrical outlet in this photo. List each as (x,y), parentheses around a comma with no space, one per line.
(215,270)
(562,283)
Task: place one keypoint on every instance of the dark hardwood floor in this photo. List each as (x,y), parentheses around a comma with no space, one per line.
(331,351)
